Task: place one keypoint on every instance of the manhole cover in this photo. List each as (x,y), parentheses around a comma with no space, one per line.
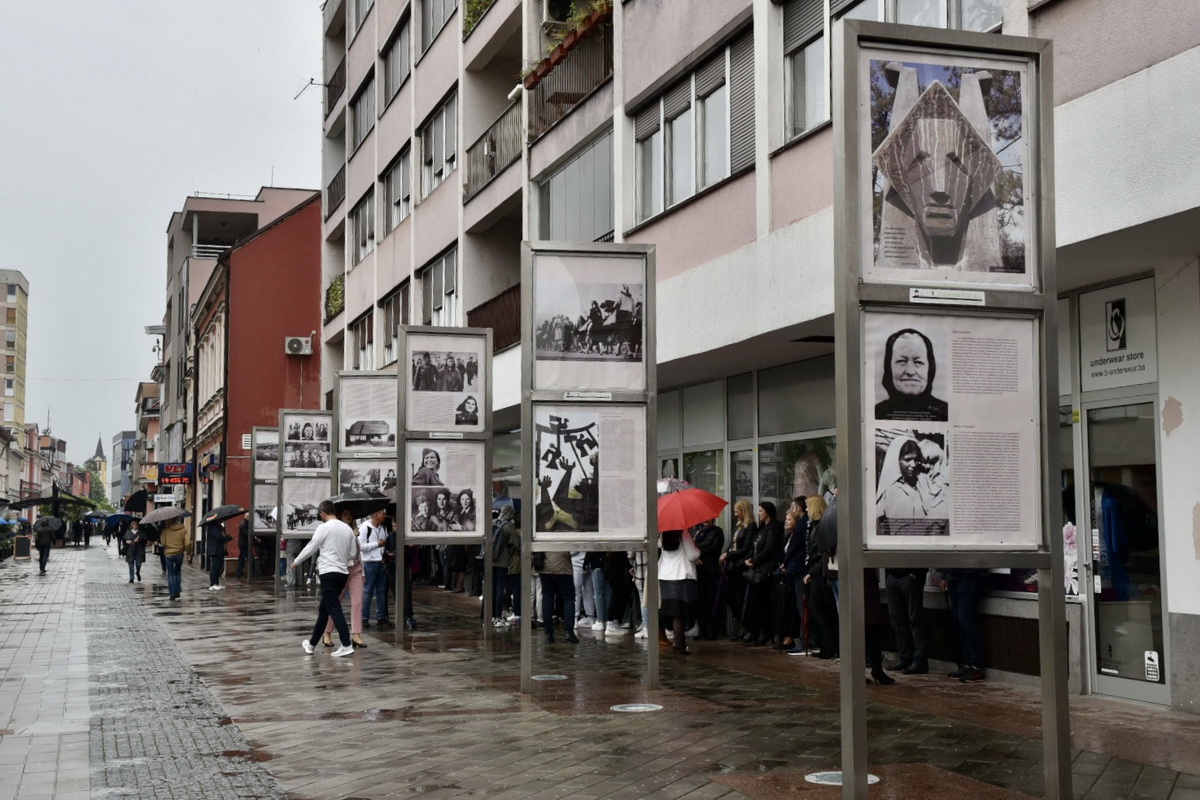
(549,677)
(834,778)
(636,708)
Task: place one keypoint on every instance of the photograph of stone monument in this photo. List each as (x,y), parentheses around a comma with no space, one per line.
(948,161)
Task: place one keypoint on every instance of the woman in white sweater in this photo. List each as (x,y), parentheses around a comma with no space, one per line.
(677,583)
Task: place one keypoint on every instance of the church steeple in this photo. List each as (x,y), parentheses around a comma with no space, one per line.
(99,449)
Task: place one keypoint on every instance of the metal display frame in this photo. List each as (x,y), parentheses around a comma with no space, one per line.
(853,294)
(327,474)
(647,397)
(483,503)
(255,482)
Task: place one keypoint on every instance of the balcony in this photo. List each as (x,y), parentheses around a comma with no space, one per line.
(335,86)
(335,192)
(499,146)
(475,9)
(569,75)
(503,315)
(335,298)
(210,251)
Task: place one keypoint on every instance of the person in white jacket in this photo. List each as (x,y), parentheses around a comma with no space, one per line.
(677,584)
(336,547)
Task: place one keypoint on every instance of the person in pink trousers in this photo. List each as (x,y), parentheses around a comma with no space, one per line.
(354,588)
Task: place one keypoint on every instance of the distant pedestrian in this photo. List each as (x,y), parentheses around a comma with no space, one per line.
(215,538)
(243,546)
(336,546)
(43,540)
(175,543)
(555,577)
(372,541)
(135,550)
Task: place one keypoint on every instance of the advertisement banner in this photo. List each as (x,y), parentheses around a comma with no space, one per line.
(1118,340)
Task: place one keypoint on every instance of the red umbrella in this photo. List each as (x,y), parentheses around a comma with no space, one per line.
(681,510)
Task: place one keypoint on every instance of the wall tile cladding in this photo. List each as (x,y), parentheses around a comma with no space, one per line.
(663,39)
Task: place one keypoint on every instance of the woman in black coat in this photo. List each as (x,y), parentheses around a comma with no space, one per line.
(822,606)
(733,561)
(765,556)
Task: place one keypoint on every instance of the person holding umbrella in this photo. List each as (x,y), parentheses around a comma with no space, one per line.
(215,538)
(176,542)
(135,549)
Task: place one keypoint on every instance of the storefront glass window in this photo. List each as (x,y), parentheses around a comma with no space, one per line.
(798,467)
(739,394)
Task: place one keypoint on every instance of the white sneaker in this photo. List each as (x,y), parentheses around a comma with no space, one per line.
(344,650)
(307,645)
(514,620)
(584,622)
(693,631)
(614,629)
(218,587)
(211,588)
(597,625)
(641,634)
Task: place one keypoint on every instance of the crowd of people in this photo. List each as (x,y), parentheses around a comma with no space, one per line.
(443,372)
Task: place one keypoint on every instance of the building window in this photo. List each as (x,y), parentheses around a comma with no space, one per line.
(10,316)
(439,298)
(12,293)
(696,133)
(439,142)
(362,224)
(10,338)
(434,14)
(397,191)
(363,332)
(358,13)
(577,200)
(980,15)
(362,113)
(10,364)
(804,64)
(395,314)
(10,387)
(397,60)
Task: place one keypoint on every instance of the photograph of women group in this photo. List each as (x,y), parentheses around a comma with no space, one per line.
(307,445)
(444,480)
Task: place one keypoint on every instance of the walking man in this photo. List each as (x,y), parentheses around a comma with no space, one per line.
(372,541)
(43,540)
(176,541)
(335,546)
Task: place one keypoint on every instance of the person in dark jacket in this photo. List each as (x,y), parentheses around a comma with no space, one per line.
(765,555)
(243,546)
(790,576)
(964,589)
(820,576)
(135,550)
(215,538)
(710,540)
(732,561)
(43,540)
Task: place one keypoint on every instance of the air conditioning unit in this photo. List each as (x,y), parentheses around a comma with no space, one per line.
(297,345)
(555,12)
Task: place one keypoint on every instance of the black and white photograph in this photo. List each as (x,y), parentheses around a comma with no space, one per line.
(445,482)
(912,480)
(945,155)
(568,472)
(589,322)
(909,385)
(437,509)
(447,382)
(266,508)
(306,441)
(367,413)
(266,454)
(299,498)
(366,474)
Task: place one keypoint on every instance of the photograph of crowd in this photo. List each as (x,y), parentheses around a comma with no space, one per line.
(366,475)
(912,489)
(445,372)
(306,442)
(306,455)
(438,509)
(588,321)
(300,498)
(266,507)
(568,472)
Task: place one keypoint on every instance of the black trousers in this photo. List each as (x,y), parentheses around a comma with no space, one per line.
(332,586)
(709,618)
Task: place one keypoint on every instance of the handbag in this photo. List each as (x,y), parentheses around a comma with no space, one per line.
(753,576)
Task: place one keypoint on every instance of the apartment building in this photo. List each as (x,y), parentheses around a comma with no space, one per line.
(454,132)
(14,347)
(123,445)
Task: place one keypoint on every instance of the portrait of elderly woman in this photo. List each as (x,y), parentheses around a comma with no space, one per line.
(909,369)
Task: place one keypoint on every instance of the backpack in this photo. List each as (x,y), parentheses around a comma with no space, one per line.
(499,541)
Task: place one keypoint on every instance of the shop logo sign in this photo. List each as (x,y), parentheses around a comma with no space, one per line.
(1114,312)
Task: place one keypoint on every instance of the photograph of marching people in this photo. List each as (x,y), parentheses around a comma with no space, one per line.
(445,383)
(266,499)
(445,487)
(912,483)
(588,322)
(266,454)
(366,475)
(299,498)
(367,413)
(578,490)
(306,444)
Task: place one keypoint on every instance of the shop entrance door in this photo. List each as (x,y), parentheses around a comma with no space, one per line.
(1123,539)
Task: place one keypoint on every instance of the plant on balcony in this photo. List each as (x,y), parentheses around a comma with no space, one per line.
(335,297)
(585,15)
(472,13)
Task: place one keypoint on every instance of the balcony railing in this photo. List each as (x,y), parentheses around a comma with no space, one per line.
(213,251)
(569,75)
(503,315)
(335,86)
(335,192)
(335,297)
(499,146)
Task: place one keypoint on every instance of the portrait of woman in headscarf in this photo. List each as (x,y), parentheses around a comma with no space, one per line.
(909,369)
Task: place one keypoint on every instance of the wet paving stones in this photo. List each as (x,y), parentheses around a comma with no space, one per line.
(110,690)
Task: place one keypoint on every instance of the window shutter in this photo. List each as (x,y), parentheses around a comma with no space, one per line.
(437,274)
(427,297)
(711,76)
(802,21)
(645,124)
(741,102)
(678,100)
(836,7)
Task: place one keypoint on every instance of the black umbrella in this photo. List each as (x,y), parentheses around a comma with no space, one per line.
(52,524)
(222,513)
(361,504)
(96,515)
(137,502)
(163,516)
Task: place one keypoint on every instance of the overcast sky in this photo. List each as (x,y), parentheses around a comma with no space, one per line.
(111,113)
